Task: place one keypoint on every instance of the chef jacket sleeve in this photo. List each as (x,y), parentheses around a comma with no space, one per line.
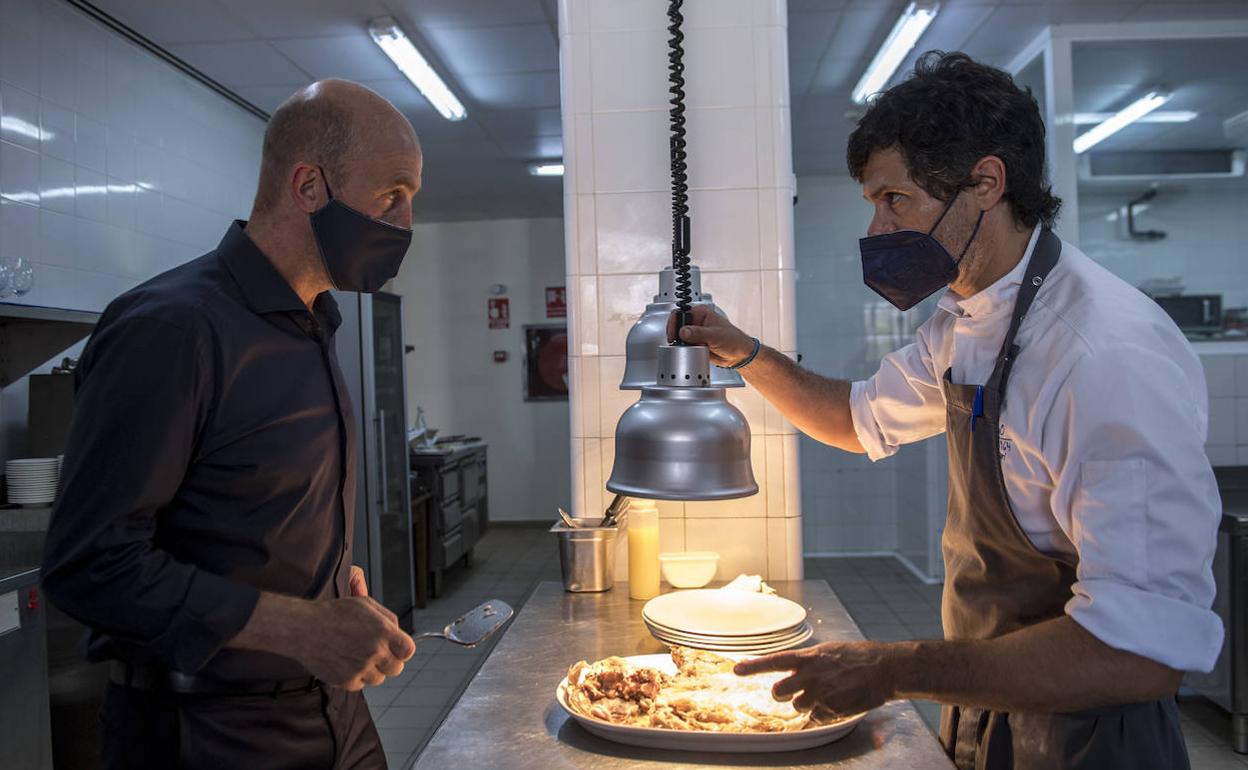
(1136,495)
(901,403)
(142,397)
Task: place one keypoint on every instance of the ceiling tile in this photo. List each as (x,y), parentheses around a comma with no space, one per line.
(546,121)
(305,18)
(451,13)
(810,33)
(241,63)
(519,91)
(492,50)
(354,57)
(267,98)
(177,21)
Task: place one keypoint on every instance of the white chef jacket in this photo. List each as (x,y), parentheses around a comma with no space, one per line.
(1102,444)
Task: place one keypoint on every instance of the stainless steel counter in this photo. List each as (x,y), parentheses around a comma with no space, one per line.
(508,717)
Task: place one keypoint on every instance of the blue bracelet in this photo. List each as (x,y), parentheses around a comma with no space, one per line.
(750,358)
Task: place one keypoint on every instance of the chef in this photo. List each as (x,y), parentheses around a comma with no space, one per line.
(203,531)
(1082,509)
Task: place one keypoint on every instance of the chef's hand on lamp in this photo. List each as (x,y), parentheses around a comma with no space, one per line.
(727,344)
(839,677)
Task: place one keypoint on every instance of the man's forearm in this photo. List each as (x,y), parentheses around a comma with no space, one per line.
(1055,666)
(279,624)
(817,405)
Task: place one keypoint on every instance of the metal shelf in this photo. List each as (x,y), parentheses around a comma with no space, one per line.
(31,335)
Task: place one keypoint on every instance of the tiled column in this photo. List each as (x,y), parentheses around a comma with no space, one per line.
(613,62)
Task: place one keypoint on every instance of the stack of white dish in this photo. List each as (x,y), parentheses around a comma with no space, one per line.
(33,481)
(727,621)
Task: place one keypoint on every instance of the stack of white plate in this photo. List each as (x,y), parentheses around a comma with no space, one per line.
(33,481)
(727,621)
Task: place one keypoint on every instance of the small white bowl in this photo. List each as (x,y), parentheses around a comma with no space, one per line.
(691,569)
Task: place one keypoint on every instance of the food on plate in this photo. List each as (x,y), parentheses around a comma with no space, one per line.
(703,694)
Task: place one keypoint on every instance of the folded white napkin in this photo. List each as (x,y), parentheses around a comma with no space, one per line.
(751,583)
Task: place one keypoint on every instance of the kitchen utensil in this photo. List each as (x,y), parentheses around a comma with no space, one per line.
(474,626)
(567,519)
(617,507)
(692,569)
(706,740)
(709,611)
(586,557)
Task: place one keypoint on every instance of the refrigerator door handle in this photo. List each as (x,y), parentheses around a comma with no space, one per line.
(381,457)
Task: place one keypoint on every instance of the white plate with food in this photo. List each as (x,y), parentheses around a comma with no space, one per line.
(690,701)
(715,612)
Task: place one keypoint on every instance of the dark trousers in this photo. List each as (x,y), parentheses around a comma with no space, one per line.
(326,728)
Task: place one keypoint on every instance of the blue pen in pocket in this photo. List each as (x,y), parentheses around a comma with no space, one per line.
(977,408)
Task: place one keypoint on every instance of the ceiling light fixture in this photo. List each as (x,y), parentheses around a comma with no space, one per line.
(906,32)
(1121,119)
(1157,116)
(546,169)
(394,43)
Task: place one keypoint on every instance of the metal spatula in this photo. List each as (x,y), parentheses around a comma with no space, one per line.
(475,626)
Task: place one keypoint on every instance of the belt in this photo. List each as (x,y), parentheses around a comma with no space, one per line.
(158,679)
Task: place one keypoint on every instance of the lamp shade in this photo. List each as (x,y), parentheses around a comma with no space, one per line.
(682,440)
(650,333)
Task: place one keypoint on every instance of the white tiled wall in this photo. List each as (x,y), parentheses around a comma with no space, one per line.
(843,329)
(618,226)
(1204,243)
(113,165)
(1226,374)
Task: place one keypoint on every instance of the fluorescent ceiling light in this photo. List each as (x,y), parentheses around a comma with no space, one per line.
(387,35)
(906,32)
(1159,116)
(546,169)
(1125,117)
(14,125)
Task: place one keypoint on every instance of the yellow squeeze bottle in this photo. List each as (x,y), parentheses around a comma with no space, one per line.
(643,549)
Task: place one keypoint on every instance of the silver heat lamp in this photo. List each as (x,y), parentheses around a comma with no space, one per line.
(683,440)
(650,331)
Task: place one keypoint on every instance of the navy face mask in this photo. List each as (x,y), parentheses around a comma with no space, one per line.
(907,266)
(360,253)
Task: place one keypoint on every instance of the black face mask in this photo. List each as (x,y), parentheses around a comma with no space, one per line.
(360,253)
(907,266)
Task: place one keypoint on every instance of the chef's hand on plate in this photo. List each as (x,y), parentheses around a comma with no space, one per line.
(843,678)
(355,642)
(728,345)
(359,587)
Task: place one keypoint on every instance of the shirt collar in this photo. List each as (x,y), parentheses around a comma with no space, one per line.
(998,296)
(264,289)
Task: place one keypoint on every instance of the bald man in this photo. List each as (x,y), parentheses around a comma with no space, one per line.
(203,531)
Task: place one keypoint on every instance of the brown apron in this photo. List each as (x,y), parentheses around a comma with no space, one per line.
(996,581)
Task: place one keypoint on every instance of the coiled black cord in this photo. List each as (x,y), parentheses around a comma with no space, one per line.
(680,176)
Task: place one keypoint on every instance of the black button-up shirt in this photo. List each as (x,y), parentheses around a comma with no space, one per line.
(207,462)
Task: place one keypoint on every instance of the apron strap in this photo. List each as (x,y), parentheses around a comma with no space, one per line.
(1043,260)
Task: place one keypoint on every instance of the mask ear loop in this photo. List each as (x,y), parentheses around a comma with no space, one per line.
(970,240)
(325,179)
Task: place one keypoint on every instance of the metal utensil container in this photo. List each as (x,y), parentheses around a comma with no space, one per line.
(587,557)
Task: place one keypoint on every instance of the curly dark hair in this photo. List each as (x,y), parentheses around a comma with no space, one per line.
(949,114)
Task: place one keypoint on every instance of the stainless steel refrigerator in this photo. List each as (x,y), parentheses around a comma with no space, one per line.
(370,351)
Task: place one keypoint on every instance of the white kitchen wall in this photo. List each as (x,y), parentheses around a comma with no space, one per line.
(114,166)
(445,284)
(613,66)
(1204,246)
(854,506)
